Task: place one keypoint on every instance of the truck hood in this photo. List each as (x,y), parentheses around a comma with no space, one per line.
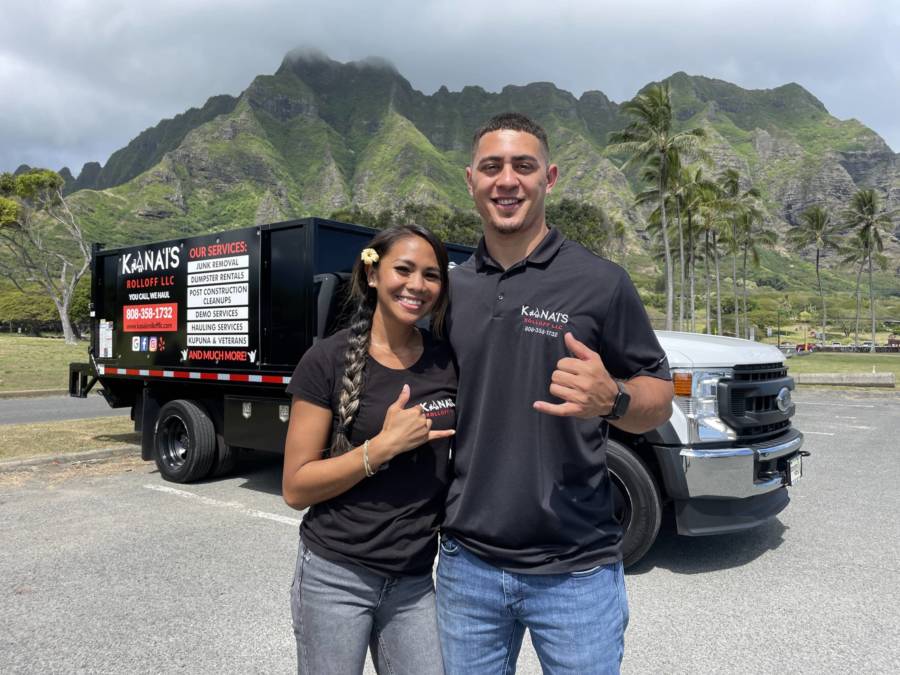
(696,350)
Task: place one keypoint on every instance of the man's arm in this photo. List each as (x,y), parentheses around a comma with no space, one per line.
(588,390)
(651,404)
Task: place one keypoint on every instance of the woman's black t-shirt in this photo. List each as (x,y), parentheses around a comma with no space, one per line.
(387,523)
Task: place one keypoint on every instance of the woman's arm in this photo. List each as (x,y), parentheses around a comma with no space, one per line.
(308,479)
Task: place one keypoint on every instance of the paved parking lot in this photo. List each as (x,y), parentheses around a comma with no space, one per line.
(107,568)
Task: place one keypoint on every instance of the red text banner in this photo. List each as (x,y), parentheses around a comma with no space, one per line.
(150,318)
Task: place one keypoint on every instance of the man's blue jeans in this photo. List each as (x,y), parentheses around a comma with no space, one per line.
(577,621)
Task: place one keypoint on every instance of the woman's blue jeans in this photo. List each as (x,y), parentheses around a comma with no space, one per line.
(340,610)
(577,621)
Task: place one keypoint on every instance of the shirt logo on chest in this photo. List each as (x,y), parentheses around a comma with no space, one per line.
(438,408)
(540,321)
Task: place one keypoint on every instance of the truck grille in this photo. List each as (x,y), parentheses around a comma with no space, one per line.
(748,401)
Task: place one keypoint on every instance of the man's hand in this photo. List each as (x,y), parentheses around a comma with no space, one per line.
(582,382)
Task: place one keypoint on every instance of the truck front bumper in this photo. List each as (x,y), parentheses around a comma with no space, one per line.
(738,472)
(728,489)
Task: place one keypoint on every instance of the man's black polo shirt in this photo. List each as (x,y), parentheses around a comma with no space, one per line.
(530,491)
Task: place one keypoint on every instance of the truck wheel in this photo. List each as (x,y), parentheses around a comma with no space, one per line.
(225,460)
(636,502)
(185,442)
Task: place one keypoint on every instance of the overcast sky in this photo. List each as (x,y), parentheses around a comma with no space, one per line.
(80,78)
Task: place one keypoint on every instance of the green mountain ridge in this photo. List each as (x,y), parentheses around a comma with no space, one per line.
(319,135)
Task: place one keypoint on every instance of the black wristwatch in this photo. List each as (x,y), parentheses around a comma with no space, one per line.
(620,405)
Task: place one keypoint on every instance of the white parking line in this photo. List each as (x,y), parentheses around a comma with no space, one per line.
(235,506)
(818,433)
(836,405)
(823,415)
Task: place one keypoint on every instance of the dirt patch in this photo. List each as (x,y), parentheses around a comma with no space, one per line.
(68,436)
(53,473)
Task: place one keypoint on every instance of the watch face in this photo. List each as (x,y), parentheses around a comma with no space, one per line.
(622,401)
(620,406)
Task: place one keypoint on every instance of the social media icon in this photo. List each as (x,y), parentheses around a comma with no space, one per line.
(145,343)
(135,344)
(153,344)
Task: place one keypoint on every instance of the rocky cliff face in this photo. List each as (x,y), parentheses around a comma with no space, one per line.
(319,135)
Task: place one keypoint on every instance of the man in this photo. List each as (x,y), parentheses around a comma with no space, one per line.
(550,339)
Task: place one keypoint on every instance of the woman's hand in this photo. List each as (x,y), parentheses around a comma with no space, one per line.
(404,429)
(309,479)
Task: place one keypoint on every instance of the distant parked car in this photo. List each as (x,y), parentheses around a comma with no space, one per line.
(788,349)
(836,344)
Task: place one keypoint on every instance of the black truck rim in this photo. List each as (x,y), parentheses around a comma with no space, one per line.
(175,442)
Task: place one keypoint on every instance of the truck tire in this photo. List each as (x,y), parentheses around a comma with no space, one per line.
(637,505)
(225,460)
(184,442)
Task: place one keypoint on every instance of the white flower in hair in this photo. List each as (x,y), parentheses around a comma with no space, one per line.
(369,256)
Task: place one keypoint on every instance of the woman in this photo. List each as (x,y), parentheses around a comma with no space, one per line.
(380,395)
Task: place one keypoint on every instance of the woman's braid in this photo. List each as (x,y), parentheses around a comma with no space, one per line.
(352,382)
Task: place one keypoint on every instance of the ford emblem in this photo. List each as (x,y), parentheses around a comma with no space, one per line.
(783,400)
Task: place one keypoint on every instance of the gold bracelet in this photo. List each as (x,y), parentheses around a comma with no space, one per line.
(366,466)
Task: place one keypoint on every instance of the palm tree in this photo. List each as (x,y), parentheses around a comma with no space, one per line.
(650,135)
(713,210)
(866,214)
(855,253)
(750,238)
(694,190)
(736,203)
(815,227)
(709,216)
(650,174)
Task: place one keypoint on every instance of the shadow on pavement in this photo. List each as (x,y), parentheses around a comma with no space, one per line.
(260,471)
(693,555)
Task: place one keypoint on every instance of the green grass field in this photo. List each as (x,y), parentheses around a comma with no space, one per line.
(845,363)
(37,363)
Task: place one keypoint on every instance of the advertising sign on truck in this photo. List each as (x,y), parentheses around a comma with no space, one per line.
(185,303)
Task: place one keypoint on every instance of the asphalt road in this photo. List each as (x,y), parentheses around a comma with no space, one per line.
(105,567)
(52,408)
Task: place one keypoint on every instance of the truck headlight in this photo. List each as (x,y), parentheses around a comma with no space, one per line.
(696,394)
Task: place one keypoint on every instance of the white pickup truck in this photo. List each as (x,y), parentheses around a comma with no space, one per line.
(724,459)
